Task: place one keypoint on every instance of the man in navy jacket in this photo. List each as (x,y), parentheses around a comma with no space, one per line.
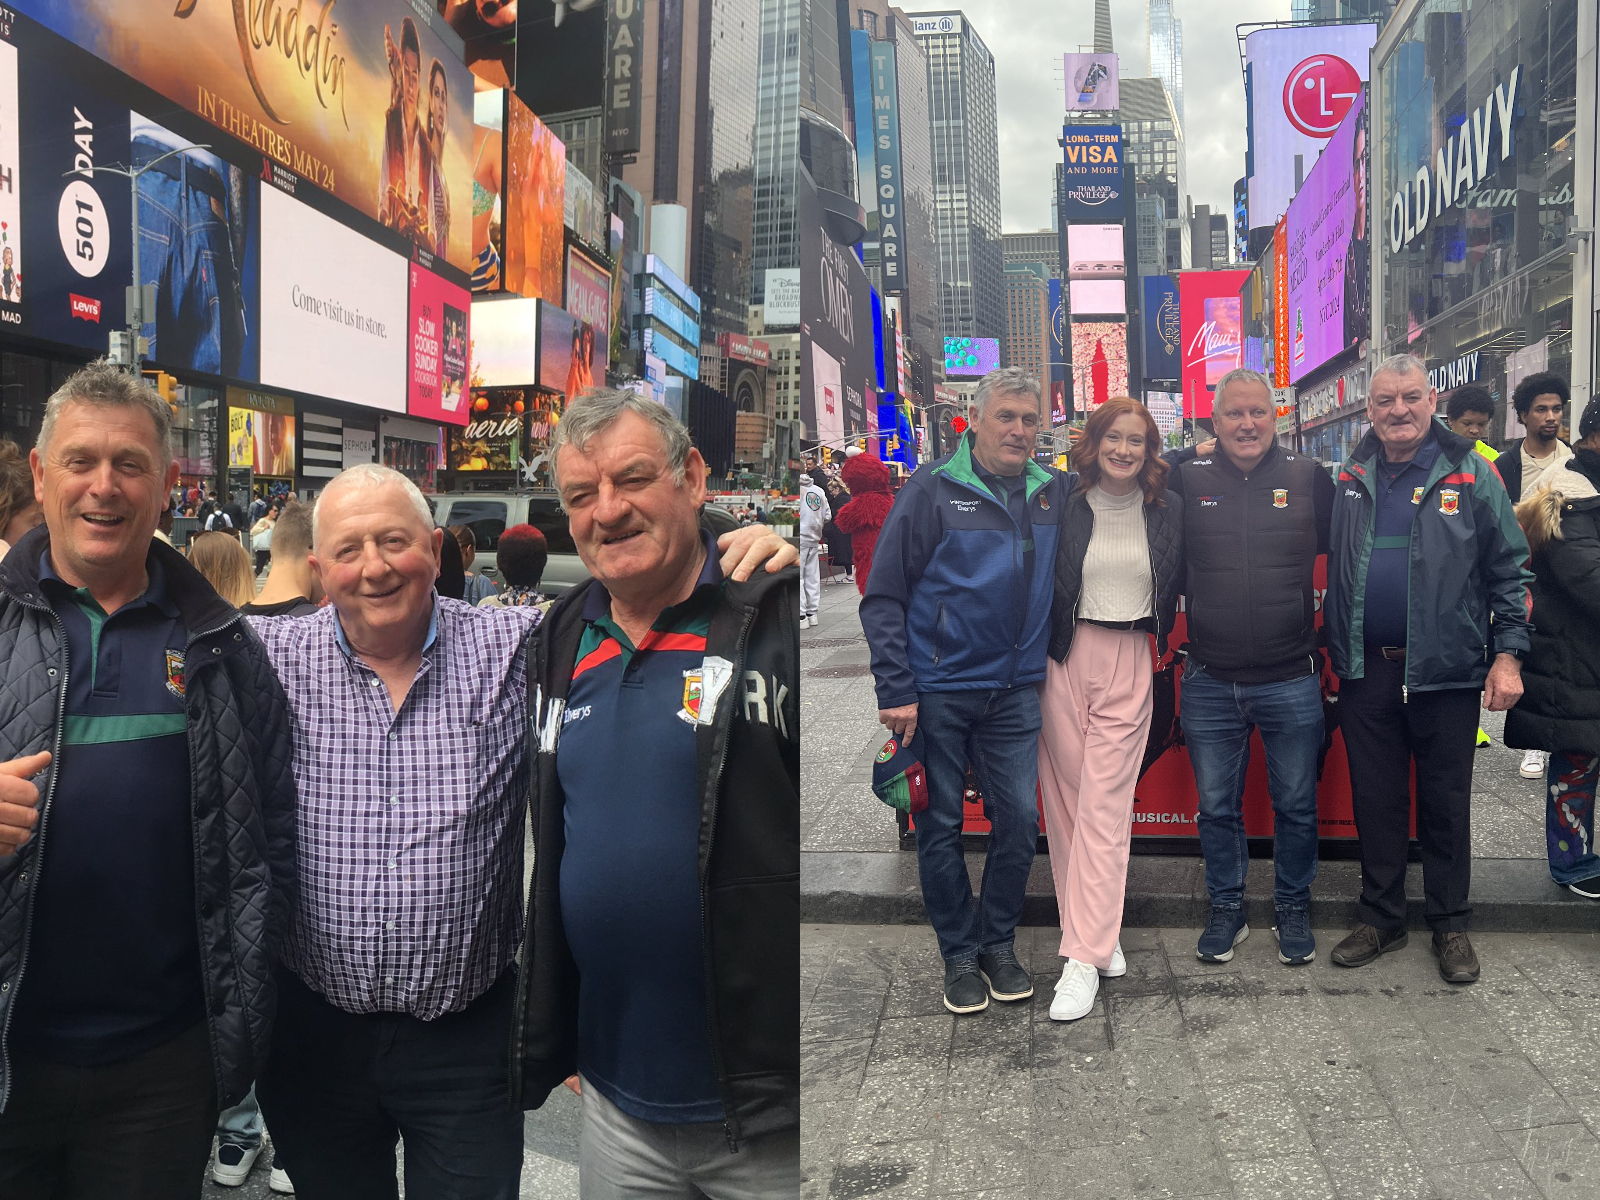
(957,613)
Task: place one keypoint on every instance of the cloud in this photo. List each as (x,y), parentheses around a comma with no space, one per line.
(1028,38)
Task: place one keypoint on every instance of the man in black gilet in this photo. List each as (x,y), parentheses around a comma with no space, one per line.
(1255,518)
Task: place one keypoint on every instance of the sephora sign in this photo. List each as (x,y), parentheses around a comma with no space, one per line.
(1462,163)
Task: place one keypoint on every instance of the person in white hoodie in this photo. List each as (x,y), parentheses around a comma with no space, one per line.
(814,514)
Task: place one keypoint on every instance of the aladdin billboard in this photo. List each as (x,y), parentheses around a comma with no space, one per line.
(370,103)
(1211,326)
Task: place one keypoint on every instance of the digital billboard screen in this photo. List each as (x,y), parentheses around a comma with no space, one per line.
(505,343)
(1092,172)
(1097,297)
(1094,252)
(1211,328)
(333,308)
(1162,337)
(371,103)
(1091,82)
(562,365)
(1328,265)
(971,356)
(534,205)
(589,300)
(440,337)
(1303,80)
(1099,361)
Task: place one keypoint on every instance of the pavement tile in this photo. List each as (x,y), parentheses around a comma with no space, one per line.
(1370,1160)
(1500,1180)
(1299,1175)
(1334,1090)
(977,1157)
(1563,1160)
(1451,1137)
(1511,1094)
(1084,1110)
(1181,1163)
(1059,1172)
(1145,1022)
(1255,1119)
(898,1168)
(910,1045)
(832,1071)
(1587,1107)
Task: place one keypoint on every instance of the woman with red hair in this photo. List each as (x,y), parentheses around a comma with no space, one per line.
(871,497)
(1118,573)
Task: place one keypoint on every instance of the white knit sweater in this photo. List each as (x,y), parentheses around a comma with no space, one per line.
(1117,582)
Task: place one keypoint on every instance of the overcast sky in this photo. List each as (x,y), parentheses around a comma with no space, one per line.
(1028,38)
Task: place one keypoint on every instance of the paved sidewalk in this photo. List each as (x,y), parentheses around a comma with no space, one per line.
(1243,1080)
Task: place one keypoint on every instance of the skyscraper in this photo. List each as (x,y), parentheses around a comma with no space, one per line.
(966,175)
(1166,51)
(799,68)
(1153,148)
(1027,342)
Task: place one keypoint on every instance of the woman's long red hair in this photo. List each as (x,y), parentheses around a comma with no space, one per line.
(1086,454)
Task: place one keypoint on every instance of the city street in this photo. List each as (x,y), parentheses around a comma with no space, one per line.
(1186,1080)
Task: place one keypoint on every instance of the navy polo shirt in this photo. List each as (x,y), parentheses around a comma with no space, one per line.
(1399,492)
(114,955)
(630,885)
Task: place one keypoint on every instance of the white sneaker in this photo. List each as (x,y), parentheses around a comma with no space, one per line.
(1075,991)
(279,1182)
(231,1162)
(1119,965)
(1534,763)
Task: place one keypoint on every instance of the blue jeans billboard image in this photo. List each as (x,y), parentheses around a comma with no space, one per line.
(199,229)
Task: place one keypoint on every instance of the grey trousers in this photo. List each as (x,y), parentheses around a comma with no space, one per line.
(623,1158)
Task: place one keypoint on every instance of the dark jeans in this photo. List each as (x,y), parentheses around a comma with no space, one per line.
(998,732)
(340,1089)
(135,1130)
(1382,737)
(1217,717)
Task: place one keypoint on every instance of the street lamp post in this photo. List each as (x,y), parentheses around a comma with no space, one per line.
(136,293)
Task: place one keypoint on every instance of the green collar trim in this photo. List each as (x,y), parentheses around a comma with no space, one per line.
(962,469)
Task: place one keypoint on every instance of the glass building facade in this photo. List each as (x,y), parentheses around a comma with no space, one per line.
(966,177)
(1473,169)
(725,166)
(1166,51)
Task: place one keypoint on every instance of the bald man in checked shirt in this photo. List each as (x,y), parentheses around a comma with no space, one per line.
(410,750)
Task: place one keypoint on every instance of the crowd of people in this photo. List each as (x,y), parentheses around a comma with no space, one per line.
(1016,616)
(262,851)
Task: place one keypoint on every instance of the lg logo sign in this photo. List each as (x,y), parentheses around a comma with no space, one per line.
(1318,94)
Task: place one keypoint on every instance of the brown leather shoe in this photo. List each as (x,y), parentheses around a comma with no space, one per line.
(1457,961)
(1364,944)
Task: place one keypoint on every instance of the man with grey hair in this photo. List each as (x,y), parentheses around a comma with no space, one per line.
(1255,517)
(1428,605)
(410,752)
(662,961)
(143,730)
(957,613)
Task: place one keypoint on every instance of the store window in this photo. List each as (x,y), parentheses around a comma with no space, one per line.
(1473,154)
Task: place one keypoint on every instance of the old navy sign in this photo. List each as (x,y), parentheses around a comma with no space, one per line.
(886,146)
(1461,164)
(1454,374)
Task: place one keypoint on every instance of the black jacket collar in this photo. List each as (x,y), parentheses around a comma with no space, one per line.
(197,601)
(1453,448)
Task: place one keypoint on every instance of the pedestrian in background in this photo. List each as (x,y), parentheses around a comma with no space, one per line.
(223,562)
(814,514)
(292,588)
(957,615)
(144,712)
(1540,402)
(477,586)
(521,554)
(19,510)
(871,496)
(1424,548)
(1118,573)
(1559,712)
(663,944)
(261,535)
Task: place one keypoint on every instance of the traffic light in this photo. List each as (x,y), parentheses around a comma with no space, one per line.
(167,388)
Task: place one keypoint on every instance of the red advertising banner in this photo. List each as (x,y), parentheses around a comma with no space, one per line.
(1212,333)
(1280,305)
(436,380)
(589,300)
(750,350)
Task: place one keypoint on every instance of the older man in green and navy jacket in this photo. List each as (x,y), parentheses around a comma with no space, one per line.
(1424,550)
(957,613)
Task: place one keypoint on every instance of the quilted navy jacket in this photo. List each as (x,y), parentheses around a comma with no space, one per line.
(241,783)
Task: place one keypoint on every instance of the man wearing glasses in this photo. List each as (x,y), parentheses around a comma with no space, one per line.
(957,613)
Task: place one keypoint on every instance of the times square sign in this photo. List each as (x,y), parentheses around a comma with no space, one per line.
(1460,165)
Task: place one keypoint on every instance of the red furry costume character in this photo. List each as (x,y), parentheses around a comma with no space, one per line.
(870,500)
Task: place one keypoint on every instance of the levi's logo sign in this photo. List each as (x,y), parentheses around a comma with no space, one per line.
(84,307)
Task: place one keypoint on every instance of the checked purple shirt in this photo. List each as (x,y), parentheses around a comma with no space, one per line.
(411,822)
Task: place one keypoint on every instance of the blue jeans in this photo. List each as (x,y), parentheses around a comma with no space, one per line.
(998,732)
(1569,815)
(241,1124)
(1217,718)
